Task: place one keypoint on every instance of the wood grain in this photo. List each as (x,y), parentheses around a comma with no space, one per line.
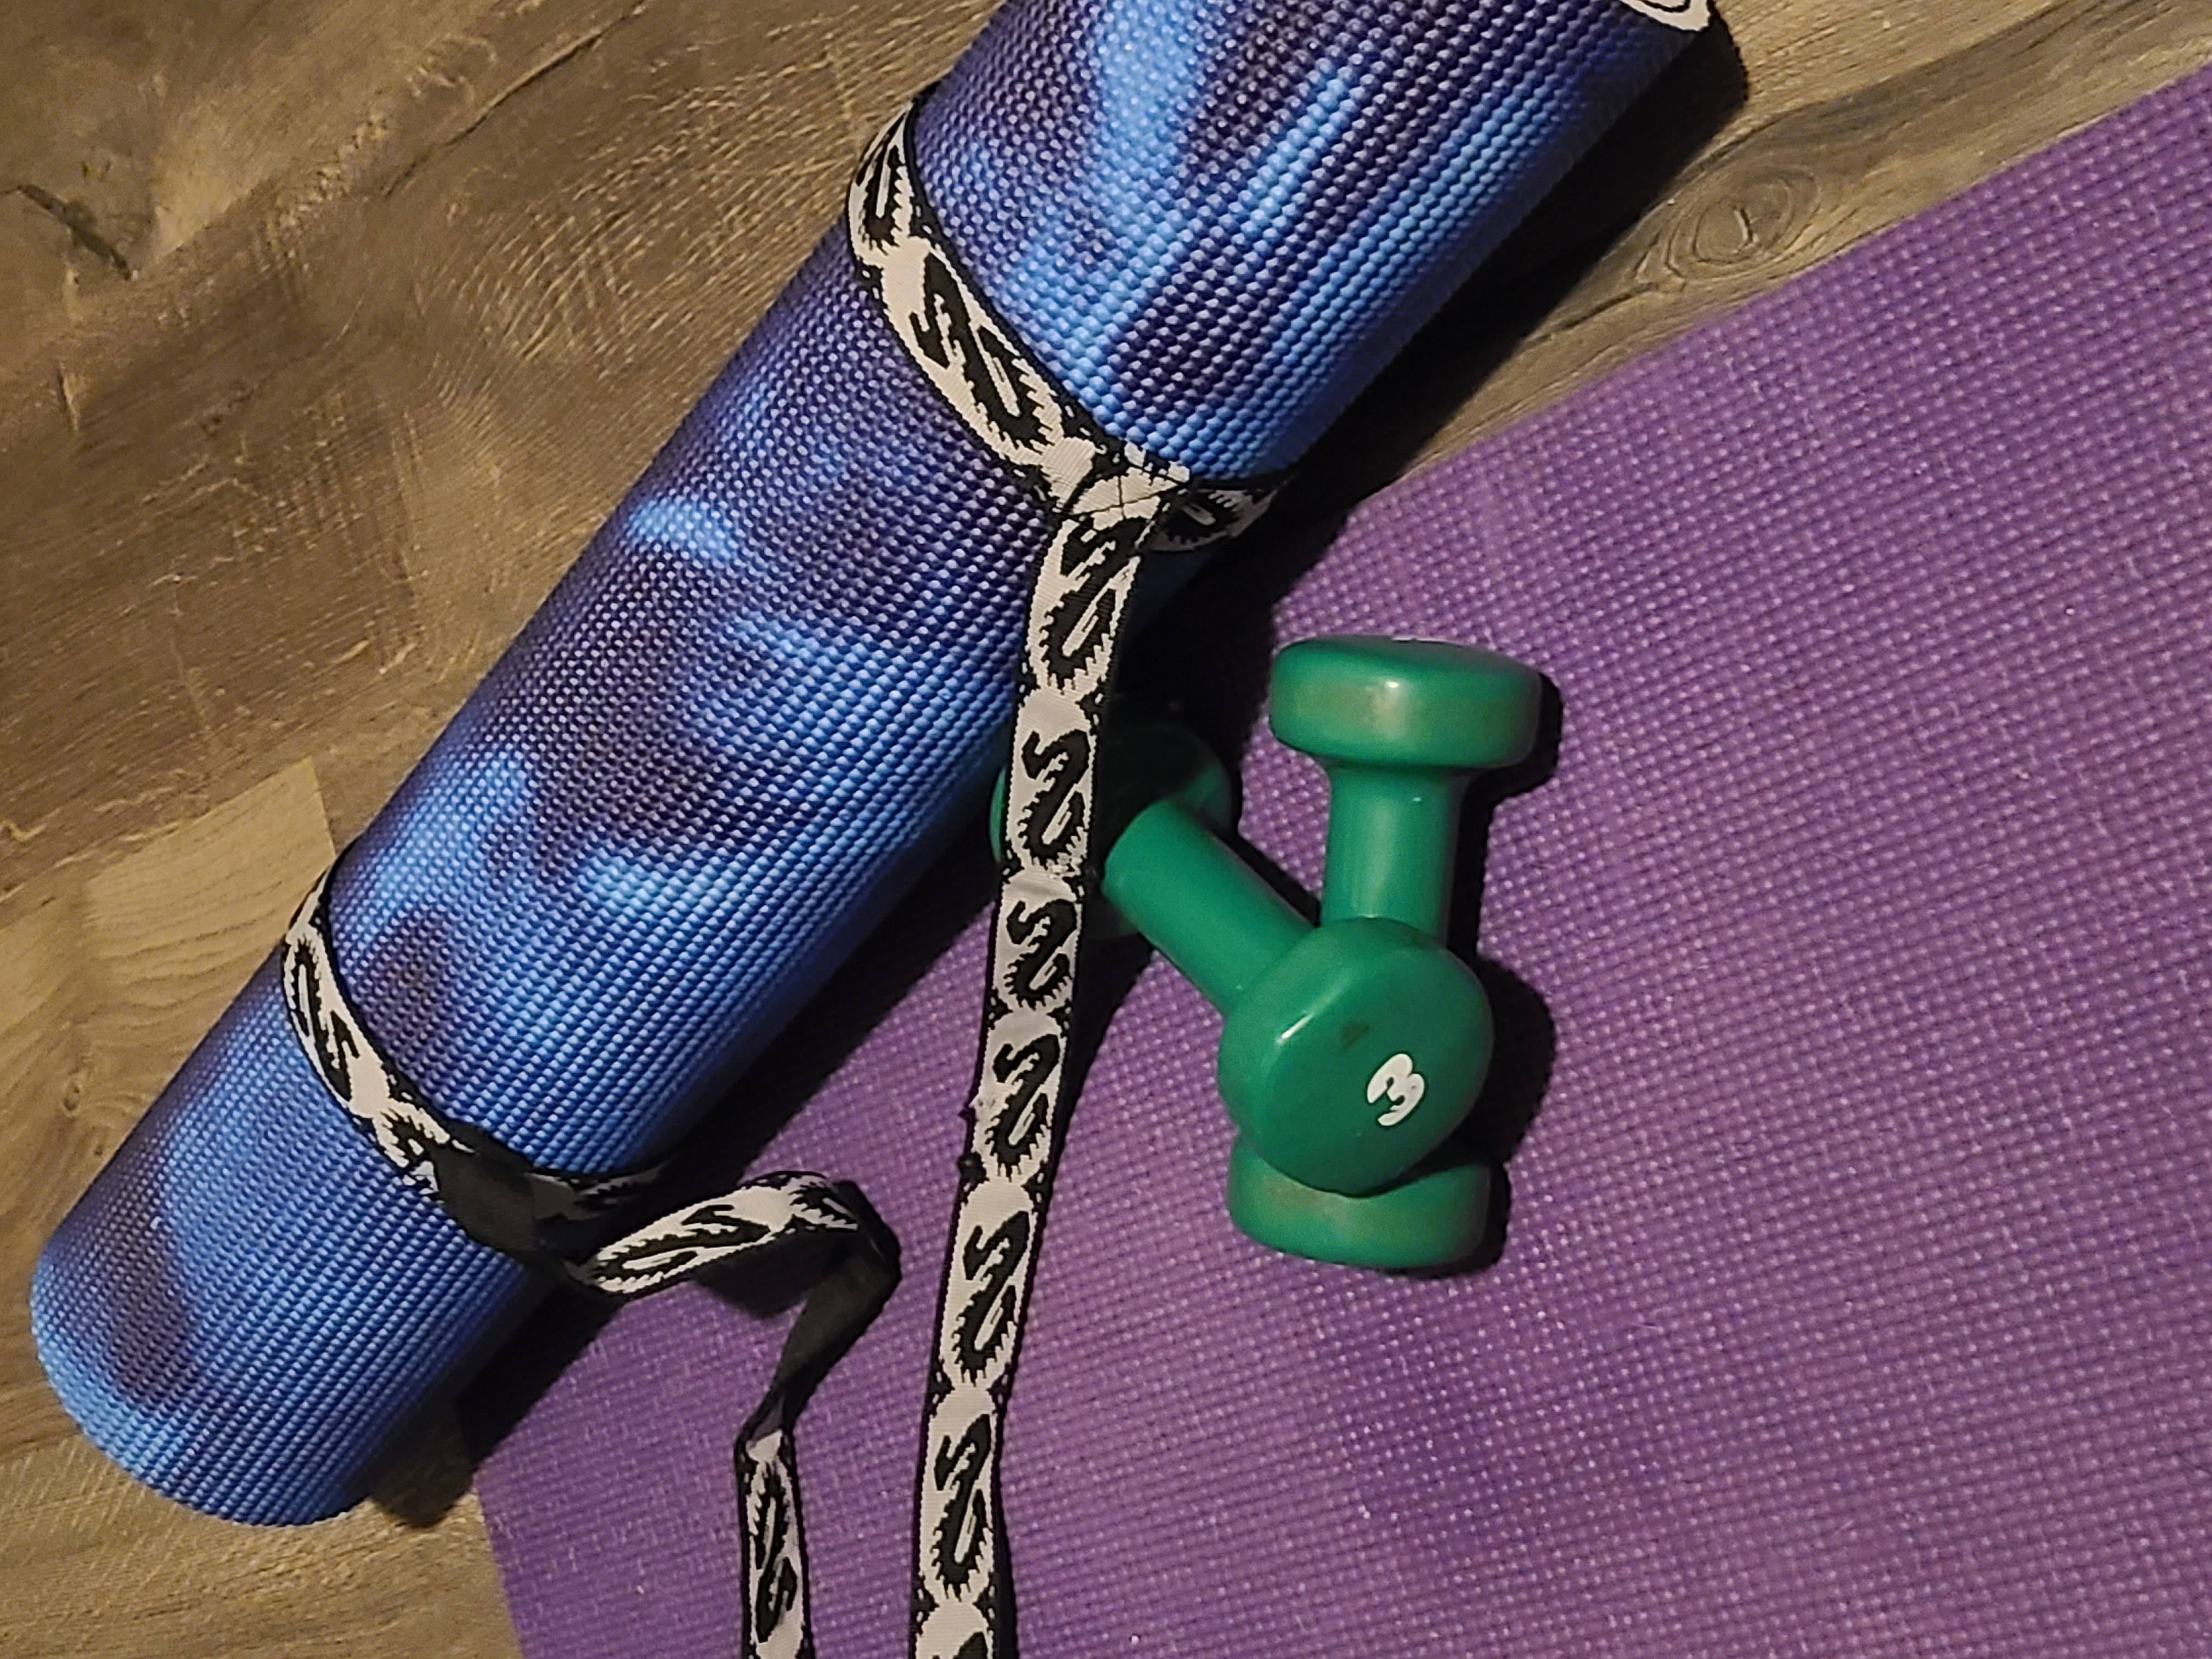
(1770,198)
(134,126)
(327,333)
(98,1565)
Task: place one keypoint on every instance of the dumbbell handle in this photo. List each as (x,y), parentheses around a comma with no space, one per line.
(1204,910)
(1391,832)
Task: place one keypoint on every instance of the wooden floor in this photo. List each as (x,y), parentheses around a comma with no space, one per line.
(328,330)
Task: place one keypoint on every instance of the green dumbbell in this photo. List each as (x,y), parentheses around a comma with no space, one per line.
(1350,1051)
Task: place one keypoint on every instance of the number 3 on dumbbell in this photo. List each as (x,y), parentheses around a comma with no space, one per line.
(1396,1081)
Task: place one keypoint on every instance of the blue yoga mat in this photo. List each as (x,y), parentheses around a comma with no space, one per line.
(738,726)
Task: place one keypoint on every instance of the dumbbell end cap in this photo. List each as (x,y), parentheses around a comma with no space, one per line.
(1372,701)
(1436,1217)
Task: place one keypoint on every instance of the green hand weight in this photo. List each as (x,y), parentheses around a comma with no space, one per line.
(1399,726)
(1350,1051)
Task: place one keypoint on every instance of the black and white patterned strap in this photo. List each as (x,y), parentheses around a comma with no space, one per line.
(500,1198)
(1110,503)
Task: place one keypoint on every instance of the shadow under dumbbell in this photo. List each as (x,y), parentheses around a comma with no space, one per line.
(1520,1073)
(1525,1038)
(1488,791)
(1520,1067)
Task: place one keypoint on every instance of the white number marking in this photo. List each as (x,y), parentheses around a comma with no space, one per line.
(1396,1078)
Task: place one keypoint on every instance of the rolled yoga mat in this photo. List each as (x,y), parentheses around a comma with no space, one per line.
(1855,1297)
(731,734)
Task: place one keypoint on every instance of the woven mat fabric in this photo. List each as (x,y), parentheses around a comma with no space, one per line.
(1855,1293)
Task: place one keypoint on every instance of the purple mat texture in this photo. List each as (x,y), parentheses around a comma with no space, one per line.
(1857,1295)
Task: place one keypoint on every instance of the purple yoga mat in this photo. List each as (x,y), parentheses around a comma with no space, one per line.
(1855,1297)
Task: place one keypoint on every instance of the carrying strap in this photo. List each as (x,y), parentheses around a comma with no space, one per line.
(1110,503)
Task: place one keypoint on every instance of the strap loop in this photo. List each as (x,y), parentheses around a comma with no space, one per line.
(486,1186)
(501,1199)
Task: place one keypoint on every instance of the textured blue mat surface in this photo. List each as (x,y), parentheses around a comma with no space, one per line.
(708,762)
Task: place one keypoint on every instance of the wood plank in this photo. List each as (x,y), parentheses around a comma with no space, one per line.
(132,125)
(97,1564)
(104,989)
